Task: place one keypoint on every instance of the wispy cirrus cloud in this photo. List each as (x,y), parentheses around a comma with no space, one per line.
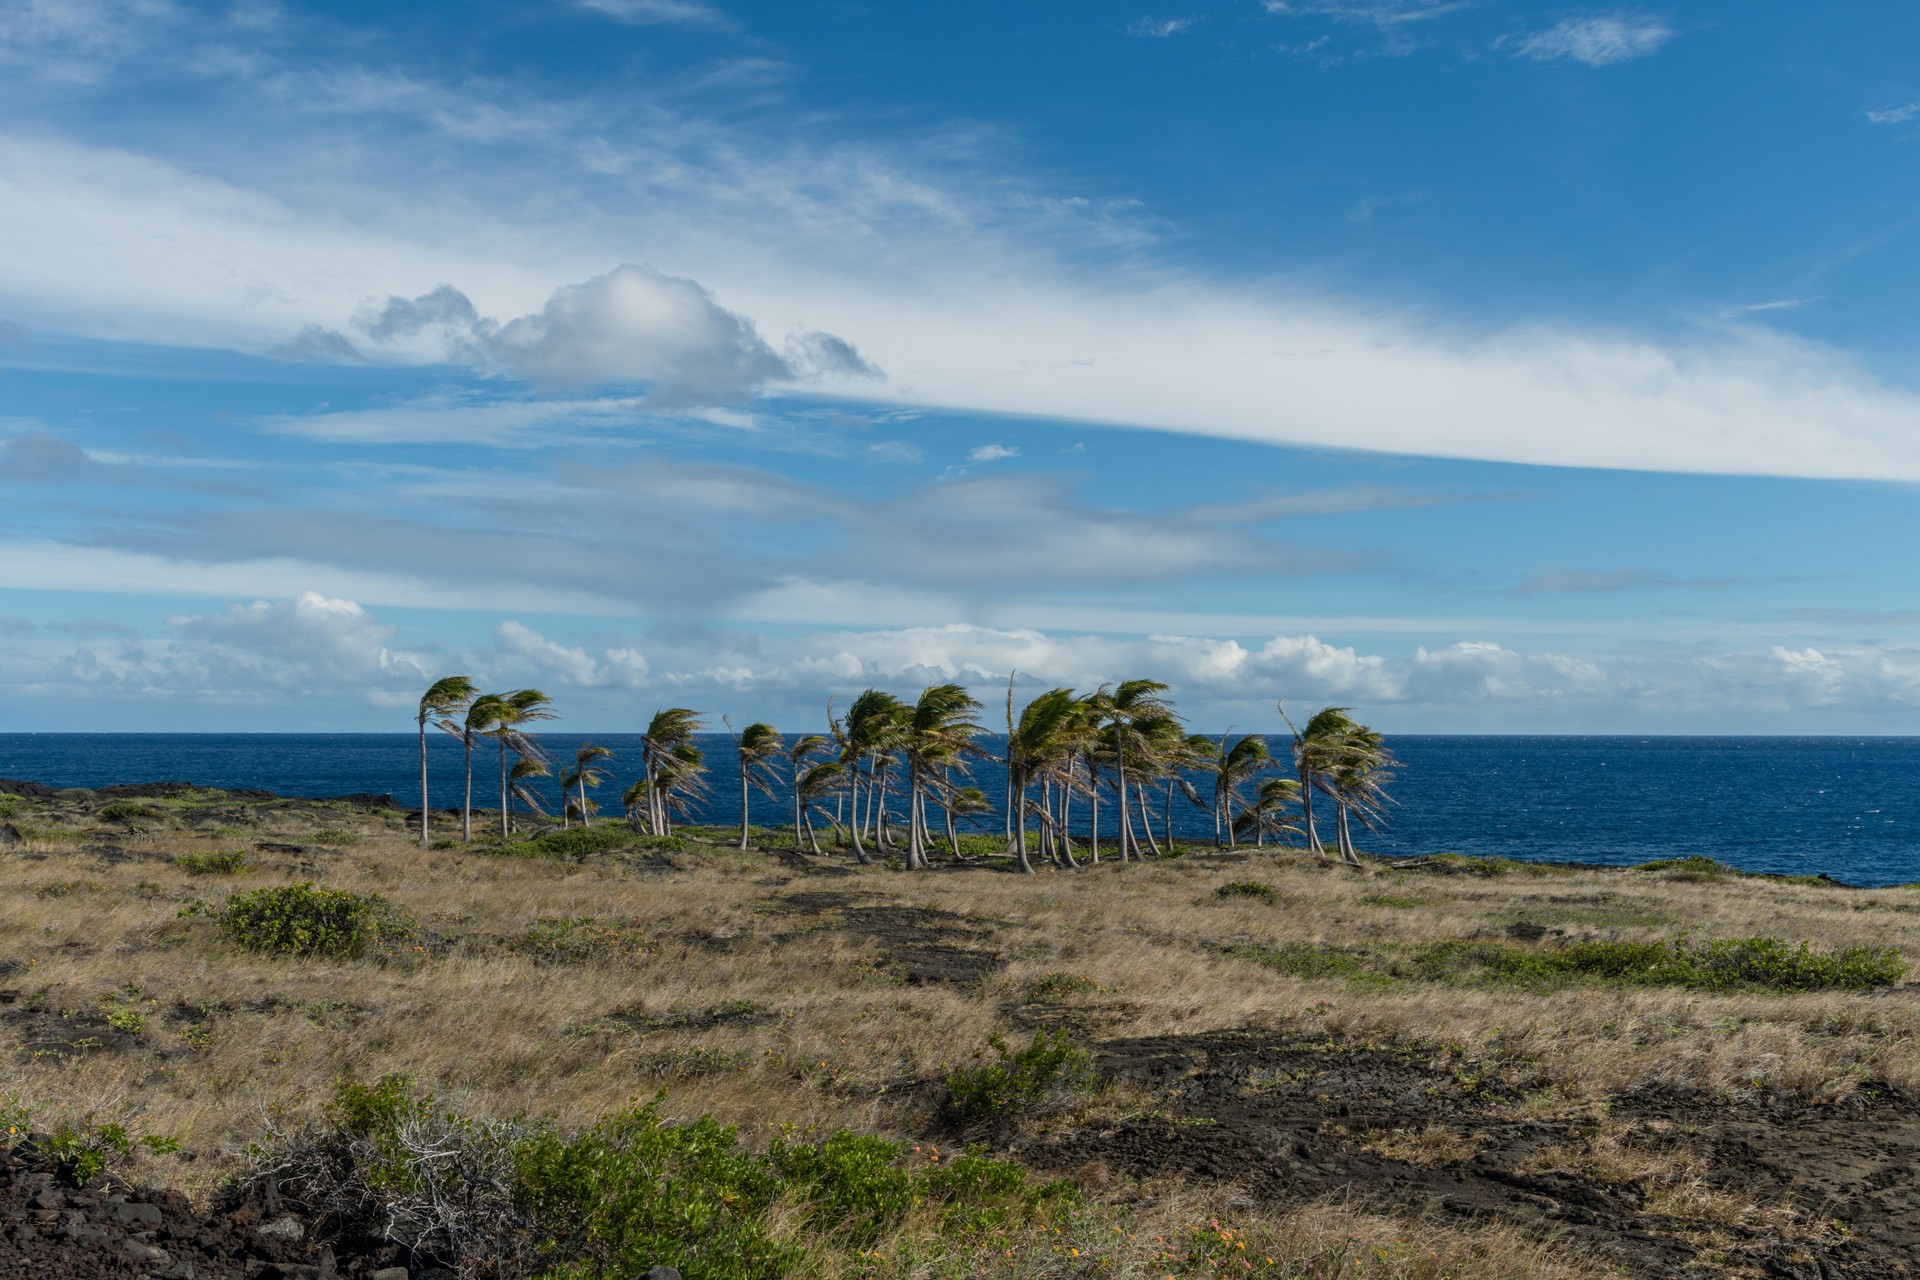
(1895,115)
(1159,28)
(655,12)
(1598,42)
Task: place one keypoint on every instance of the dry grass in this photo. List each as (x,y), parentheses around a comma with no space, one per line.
(822,1035)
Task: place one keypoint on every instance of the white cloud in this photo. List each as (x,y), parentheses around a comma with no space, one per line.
(1895,115)
(1477,670)
(314,644)
(1159,28)
(991,453)
(524,642)
(650,12)
(988,323)
(1598,42)
(632,325)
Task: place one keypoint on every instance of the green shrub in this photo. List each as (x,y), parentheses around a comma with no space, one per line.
(1723,964)
(1248,889)
(585,842)
(83,1150)
(127,811)
(1303,959)
(230,863)
(1058,986)
(581,940)
(9,807)
(1051,1065)
(304,920)
(1696,867)
(631,1192)
(335,838)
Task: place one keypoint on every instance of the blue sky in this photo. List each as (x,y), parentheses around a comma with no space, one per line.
(1492,367)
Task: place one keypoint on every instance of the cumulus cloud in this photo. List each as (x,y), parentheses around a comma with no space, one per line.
(1598,42)
(633,325)
(1481,670)
(317,344)
(991,453)
(312,643)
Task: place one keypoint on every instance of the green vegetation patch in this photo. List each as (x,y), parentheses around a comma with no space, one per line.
(229,863)
(582,940)
(1249,889)
(1050,1067)
(633,1191)
(303,919)
(1724,964)
(127,811)
(586,842)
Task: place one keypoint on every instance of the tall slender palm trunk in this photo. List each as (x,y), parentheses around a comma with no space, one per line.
(423,780)
(1140,802)
(1306,812)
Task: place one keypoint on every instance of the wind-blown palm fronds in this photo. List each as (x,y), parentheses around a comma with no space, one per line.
(757,746)
(1232,767)
(939,736)
(585,773)
(448,695)
(811,789)
(520,785)
(478,720)
(1271,812)
(507,719)
(670,729)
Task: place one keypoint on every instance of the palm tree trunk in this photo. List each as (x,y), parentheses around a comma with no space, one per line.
(1347,850)
(1020,829)
(1093,799)
(583,801)
(1124,829)
(743,806)
(1066,814)
(1166,824)
(506,832)
(1306,812)
(423,781)
(466,809)
(853,827)
(813,841)
(1140,802)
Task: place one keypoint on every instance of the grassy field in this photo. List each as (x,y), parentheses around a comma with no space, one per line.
(1461,1068)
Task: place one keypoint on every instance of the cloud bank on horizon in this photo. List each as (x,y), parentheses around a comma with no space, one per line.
(662,322)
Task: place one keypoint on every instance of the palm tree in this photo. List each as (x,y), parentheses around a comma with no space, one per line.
(678,784)
(938,735)
(1129,703)
(585,773)
(1317,750)
(875,724)
(800,755)
(1233,766)
(519,778)
(962,802)
(505,720)
(1268,814)
(1357,782)
(670,729)
(756,747)
(812,788)
(1051,731)
(478,720)
(448,695)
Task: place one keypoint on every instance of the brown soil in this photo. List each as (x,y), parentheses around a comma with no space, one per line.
(1284,1121)
(917,945)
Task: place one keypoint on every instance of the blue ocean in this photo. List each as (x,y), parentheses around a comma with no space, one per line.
(1848,807)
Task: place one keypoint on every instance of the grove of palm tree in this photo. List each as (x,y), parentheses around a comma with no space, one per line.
(894,778)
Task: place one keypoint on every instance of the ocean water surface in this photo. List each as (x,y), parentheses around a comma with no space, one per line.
(1849,807)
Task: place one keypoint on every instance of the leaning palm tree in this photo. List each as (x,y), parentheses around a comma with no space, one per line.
(810,790)
(875,727)
(938,736)
(757,747)
(1041,747)
(520,784)
(1357,781)
(507,721)
(1270,814)
(477,723)
(1317,750)
(679,784)
(800,755)
(585,773)
(1130,702)
(670,729)
(448,695)
(1232,767)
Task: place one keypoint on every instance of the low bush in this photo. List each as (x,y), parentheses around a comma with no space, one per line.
(585,842)
(1695,867)
(631,1192)
(9,807)
(230,863)
(304,920)
(127,811)
(334,838)
(1248,889)
(1724,964)
(1051,1066)
(581,940)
